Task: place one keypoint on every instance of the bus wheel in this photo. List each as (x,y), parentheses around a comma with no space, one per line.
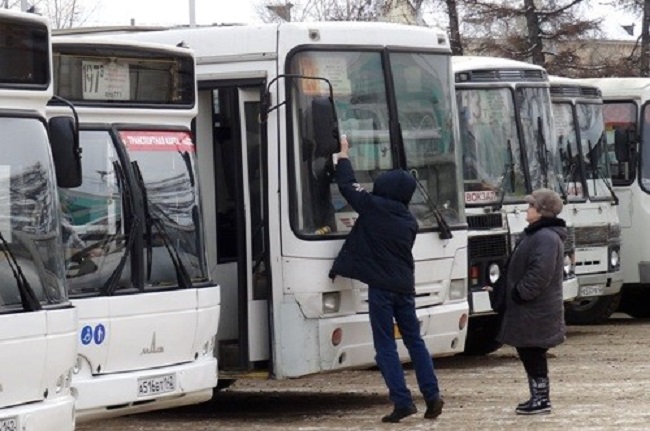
(481,335)
(223,384)
(590,311)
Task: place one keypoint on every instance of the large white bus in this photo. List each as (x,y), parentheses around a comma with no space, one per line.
(627,120)
(37,321)
(591,202)
(506,124)
(136,264)
(275,220)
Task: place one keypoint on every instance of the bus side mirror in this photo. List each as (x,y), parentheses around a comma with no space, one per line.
(325,127)
(64,141)
(622,141)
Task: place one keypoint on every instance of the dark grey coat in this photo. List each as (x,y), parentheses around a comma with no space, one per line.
(534,315)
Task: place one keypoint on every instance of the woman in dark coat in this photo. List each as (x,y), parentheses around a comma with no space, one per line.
(533,320)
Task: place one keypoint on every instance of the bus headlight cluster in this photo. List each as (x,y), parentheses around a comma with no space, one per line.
(458,289)
(494,273)
(331,302)
(614,259)
(567,265)
(208,346)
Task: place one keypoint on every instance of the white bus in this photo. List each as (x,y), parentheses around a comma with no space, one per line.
(37,321)
(506,122)
(591,203)
(136,263)
(275,220)
(627,118)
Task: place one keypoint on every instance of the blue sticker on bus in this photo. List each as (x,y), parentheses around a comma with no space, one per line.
(100,334)
(86,335)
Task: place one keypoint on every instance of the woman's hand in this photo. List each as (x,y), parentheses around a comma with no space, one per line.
(345,146)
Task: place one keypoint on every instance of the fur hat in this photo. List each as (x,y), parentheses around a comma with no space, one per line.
(547,202)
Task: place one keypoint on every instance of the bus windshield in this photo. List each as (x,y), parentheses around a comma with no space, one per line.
(423,106)
(491,155)
(167,163)
(566,136)
(620,119)
(29,216)
(542,152)
(592,141)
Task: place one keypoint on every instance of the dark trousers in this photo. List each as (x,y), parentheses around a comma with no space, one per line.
(534,360)
(386,307)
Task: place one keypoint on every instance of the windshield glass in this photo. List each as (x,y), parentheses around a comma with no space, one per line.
(94,234)
(29,216)
(534,105)
(359,84)
(644,170)
(592,141)
(566,137)
(620,122)
(167,162)
(425,114)
(491,151)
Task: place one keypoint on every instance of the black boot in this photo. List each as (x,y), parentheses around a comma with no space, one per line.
(530,389)
(540,402)
(399,413)
(434,408)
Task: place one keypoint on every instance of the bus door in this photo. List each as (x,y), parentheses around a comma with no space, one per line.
(229,139)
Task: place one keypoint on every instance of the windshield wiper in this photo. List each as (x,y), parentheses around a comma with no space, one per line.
(27,296)
(593,162)
(109,286)
(543,155)
(510,168)
(182,276)
(445,230)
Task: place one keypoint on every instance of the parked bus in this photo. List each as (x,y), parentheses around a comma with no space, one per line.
(37,321)
(591,203)
(275,220)
(506,122)
(136,264)
(626,127)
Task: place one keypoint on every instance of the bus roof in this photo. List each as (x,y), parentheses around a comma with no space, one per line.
(476,69)
(622,88)
(240,41)
(568,88)
(470,62)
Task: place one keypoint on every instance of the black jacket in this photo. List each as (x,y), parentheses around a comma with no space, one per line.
(378,249)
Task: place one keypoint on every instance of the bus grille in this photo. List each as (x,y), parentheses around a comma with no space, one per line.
(491,246)
(485,221)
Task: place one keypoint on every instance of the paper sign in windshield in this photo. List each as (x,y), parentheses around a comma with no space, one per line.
(157,141)
(480,197)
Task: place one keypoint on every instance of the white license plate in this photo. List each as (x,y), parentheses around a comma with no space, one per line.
(591,290)
(9,424)
(156,385)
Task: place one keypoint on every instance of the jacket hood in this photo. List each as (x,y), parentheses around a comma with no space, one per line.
(397,185)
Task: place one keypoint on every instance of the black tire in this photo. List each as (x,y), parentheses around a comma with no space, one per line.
(592,310)
(635,303)
(223,384)
(481,335)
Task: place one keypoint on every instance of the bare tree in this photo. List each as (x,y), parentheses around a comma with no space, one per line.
(321,10)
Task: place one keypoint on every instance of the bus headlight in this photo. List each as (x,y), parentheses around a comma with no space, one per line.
(331,302)
(614,259)
(567,265)
(457,289)
(494,272)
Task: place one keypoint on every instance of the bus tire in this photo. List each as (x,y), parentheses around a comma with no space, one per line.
(591,311)
(223,384)
(481,335)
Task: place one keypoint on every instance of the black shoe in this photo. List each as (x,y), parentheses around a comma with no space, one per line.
(399,413)
(535,407)
(434,408)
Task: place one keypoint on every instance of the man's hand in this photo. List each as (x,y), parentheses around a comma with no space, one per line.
(345,146)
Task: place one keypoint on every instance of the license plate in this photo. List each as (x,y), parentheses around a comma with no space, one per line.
(591,290)
(9,424)
(156,385)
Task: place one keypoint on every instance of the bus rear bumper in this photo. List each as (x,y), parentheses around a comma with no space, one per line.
(113,395)
(443,329)
(54,414)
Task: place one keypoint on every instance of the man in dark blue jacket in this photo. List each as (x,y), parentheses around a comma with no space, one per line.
(378,252)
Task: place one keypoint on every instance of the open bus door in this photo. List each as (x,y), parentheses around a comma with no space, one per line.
(228,133)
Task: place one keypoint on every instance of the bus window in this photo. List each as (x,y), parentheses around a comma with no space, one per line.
(620,130)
